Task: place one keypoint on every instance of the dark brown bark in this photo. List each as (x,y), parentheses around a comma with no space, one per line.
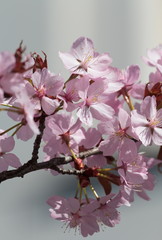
(53,163)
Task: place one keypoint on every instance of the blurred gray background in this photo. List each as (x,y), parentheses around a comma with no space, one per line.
(125,29)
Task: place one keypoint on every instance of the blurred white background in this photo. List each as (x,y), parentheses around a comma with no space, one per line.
(125,29)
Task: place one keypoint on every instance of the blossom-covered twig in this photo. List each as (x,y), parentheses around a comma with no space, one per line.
(51,164)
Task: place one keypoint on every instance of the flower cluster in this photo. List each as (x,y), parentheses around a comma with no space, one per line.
(94,109)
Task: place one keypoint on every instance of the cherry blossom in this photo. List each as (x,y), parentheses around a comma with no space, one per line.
(119,132)
(148,126)
(24,113)
(83,60)
(93,102)
(154,57)
(88,127)
(45,87)
(71,211)
(62,132)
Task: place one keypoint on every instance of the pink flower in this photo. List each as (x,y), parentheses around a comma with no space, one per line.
(73,213)
(106,211)
(113,79)
(148,125)
(129,77)
(118,132)
(83,60)
(45,87)
(127,190)
(93,102)
(25,113)
(154,78)
(8,78)
(154,57)
(70,95)
(7,159)
(62,130)
(132,167)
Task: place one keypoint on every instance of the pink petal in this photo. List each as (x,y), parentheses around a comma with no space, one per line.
(138,119)
(143,194)
(82,48)
(49,105)
(98,65)
(108,127)
(7,62)
(109,147)
(78,136)
(12,160)
(124,118)
(148,107)
(144,134)
(84,114)
(128,150)
(92,137)
(137,91)
(69,61)
(54,85)
(157,136)
(74,126)
(36,79)
(3,164)
(102,111)
(133,74)
(73,205)
(57,216)
(7,144)
(54,201)
(82,85)
(114,87)
(89,226)
(24,133)
(97,161)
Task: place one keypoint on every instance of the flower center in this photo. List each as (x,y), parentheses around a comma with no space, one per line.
(154,123)
(120,133)
(41,91)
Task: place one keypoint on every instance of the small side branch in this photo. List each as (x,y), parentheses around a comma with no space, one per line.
(51,164)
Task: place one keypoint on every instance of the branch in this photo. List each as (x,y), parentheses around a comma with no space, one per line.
(51,164)
(38,139)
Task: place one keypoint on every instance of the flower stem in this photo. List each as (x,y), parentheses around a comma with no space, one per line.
(10,110)
(9,105)
(80,195)
(93,190)
(86,196)
(16,125)
(127,99)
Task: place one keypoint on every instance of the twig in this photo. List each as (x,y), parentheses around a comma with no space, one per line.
(51,164)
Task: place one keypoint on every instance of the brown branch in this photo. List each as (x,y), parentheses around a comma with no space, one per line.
(51,164)
(160,154)
(160,158)
(69,171)
(38,139)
